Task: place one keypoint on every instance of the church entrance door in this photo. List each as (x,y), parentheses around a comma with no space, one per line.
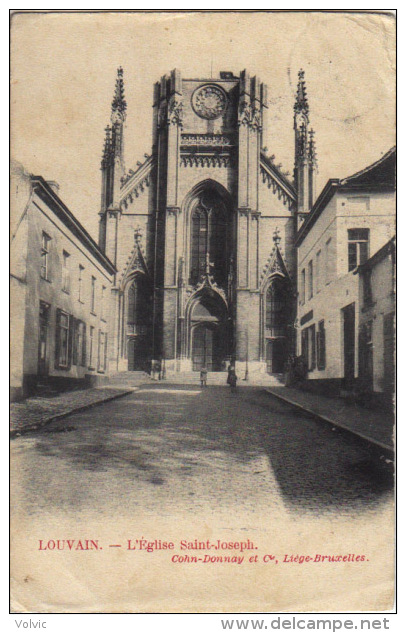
(276,356)
(138,324)
(208,333)
(207,347)
(202,353)
(138,354)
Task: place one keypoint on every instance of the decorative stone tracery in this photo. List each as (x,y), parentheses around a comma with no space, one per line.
(199,160)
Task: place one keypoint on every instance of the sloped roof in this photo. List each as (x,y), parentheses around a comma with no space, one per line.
(54,202)
(388,248)
(380,173)
(380,176)
(280,178)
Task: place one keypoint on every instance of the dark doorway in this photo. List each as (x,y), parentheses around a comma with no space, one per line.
(209,336)
(43,364)
(202,353)
(276,356)
(138,354)
(349,343)
(138,324)
(207,347)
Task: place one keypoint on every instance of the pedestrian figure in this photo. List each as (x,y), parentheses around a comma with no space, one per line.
(203,377)
(232,378)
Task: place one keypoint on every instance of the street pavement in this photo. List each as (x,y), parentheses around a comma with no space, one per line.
(172,449)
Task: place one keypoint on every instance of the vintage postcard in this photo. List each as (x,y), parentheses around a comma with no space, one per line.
(202,311)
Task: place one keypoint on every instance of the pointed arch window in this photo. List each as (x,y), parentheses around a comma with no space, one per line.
(210,228)
(277,308)
(138,307)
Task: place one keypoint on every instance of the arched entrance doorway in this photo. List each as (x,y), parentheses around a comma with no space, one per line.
(138,317)
(208,334)
(278,306)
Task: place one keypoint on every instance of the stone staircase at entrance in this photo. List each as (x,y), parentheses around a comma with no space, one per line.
(220,378)
(135,378)
(129,379)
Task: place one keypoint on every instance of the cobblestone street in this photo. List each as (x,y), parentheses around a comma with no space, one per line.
(181,449)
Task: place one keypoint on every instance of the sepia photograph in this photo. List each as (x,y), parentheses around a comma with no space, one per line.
(202,285)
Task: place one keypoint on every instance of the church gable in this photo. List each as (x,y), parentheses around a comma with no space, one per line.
(276,264)
(136,261)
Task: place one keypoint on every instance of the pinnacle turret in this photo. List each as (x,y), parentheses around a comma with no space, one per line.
(312,148)
(305,151)
(301,104)
(119,104)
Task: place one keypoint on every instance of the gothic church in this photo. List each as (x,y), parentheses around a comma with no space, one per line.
(202,232)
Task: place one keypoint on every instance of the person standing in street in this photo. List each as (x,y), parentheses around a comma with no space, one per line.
(232,378)
(203,377)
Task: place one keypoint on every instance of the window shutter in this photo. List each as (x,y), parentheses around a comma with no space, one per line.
(57,336)
(70,340)
(84,345)
(75,334)
(105,352)
(98,350)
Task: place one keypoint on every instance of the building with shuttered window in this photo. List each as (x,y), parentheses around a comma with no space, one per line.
(350,222)
(60,290)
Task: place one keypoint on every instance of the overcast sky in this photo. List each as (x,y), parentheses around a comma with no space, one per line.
(64,68)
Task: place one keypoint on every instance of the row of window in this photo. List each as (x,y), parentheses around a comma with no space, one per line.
(72,347)
(314,346)
(316,276)
(66,276)
(312,280)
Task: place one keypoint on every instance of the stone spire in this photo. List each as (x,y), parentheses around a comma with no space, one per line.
(301,104)
(119,104)
(305,152)
(112,167)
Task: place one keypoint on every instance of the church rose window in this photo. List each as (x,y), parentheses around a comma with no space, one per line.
(209,102)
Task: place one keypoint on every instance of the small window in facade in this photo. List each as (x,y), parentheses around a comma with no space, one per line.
(91,347)
(80,283)
(93,296)
(63,334)
(46,240)
(328,263)
(309,347)
(321,346)
(102,352)
(303,287)
(318,272)
(358,247)
(310,282)
(102,300)
(79,344)
(65,272)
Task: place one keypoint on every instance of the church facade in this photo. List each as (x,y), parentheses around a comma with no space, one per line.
(202,234)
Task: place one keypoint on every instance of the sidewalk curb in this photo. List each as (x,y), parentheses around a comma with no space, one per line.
(59,416)
(323,418)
